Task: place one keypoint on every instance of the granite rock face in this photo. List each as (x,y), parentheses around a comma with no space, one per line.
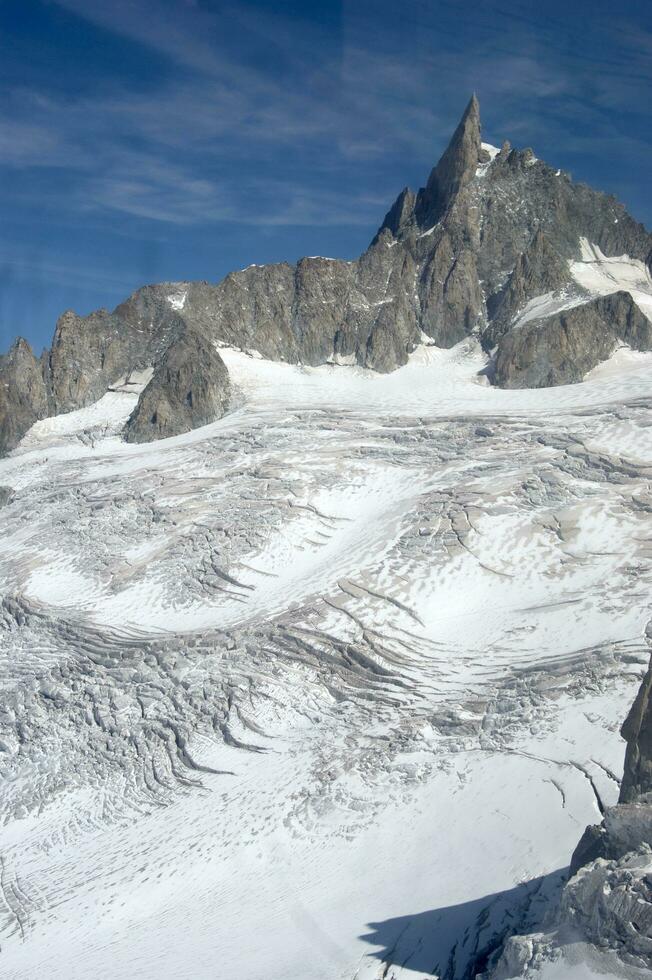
(455,170)
(23,394)
(609,895)
(491,231)
(189,388)
(637,732)
(91,353)
(562,348)
(539,269)
(609,903)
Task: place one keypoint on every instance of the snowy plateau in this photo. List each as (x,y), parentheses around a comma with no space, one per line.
(329,688)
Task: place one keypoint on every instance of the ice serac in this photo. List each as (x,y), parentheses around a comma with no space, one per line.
(23,393)
(604,917)
(189,388)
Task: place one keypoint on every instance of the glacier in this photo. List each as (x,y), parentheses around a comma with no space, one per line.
(326,689)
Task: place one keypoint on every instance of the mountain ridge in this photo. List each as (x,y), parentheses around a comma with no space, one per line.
(491,230)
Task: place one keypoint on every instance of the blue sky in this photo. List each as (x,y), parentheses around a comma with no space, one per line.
(149,140)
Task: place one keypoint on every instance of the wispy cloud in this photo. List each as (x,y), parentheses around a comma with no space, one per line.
(20,264)
(256,95)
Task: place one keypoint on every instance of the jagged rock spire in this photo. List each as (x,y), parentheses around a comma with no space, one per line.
(456,167)
(400,212)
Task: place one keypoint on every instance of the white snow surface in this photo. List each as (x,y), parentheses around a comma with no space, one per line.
(177,300)
(493,152)
(325,690)
(601,275)
(597,275)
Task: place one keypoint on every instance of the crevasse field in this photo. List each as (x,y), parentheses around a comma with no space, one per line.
(327,689)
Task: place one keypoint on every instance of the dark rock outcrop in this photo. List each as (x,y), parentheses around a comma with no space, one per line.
(539,269)
(609,896)
(456,169)
(399,214)
(91,353)
(189,388)
(628,824)
(609,904)
(23,394)
(637,732)
(562,348)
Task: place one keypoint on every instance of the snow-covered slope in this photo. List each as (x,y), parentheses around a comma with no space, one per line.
(326,689)
(601,275)
(596,275)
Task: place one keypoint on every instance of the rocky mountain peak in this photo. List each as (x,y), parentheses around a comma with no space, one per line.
(492,246)
(23,394)
(400,212)
(456,168)
(20,347)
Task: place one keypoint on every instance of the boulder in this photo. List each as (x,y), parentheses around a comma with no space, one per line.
(189,388)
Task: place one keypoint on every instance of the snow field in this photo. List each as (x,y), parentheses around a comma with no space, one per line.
(323,689)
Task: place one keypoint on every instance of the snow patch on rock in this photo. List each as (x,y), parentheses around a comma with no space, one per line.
(178,300)
(600,275)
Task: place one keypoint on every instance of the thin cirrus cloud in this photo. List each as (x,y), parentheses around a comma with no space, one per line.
(229,116)
(198,136)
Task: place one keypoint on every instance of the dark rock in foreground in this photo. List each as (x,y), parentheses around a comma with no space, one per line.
(190,387)
(637,731)
(607,902)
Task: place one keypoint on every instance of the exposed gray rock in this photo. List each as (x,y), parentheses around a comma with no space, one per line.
(609,904)
(593,844)
(23,394)
(322,289)
(538,270)
(561,348)
(190,387)
(609,896)
(629,824)
(399,214)
(451,307)
(91,353)
(637,732)
(456,168)
(251,309)
(624,828)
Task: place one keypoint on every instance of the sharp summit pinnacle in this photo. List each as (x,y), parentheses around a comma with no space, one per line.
(456,168)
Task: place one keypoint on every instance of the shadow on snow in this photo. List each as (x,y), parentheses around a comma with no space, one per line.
(454,943)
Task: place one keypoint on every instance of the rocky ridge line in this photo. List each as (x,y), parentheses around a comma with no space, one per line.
(491,230)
